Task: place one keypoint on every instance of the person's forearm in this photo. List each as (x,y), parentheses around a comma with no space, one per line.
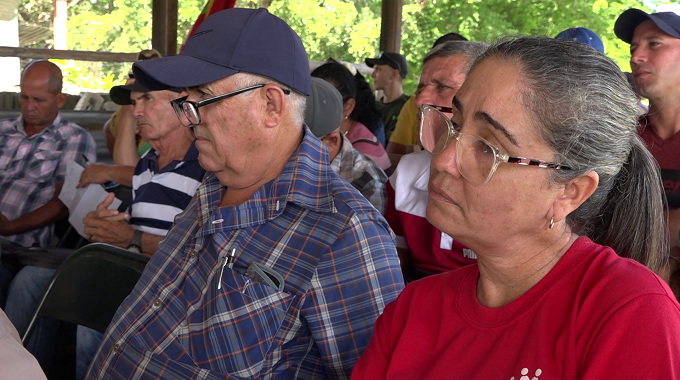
(150,243)
(40,217)
(109,139)
(121,174)
(125,147)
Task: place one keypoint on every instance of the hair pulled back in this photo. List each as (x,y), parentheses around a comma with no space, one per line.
(584,108)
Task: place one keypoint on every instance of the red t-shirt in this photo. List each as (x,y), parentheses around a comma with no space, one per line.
(431,249)
(667,154)
(595,315)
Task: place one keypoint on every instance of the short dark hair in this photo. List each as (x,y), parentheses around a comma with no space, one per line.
(449,37)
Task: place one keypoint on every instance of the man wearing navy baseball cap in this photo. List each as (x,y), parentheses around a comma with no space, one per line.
(278,268)
(655,62)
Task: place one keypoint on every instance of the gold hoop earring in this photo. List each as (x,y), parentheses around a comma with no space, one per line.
(552,223)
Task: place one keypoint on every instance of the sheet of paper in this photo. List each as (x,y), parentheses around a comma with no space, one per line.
(69,194)
(81,201)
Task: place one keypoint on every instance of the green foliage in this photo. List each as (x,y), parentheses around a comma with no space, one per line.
(104,25)
(341,29)
(355,36)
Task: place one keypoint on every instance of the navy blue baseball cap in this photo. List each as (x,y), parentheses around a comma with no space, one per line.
(231,41)
(625,25)
(584,36)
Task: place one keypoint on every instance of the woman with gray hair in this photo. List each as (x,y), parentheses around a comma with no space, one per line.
(541,173)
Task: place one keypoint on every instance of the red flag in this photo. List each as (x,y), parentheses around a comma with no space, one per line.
(213,6)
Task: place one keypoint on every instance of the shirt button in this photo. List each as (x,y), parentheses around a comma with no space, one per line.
(116,347)
(193,254)
(157,303)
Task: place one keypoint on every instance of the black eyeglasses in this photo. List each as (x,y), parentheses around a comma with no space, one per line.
(190,109)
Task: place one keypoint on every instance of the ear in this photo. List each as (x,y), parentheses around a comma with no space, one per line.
(348,107)
(575,192)
(395,74)
(334,140)
(61,99)
(276,105)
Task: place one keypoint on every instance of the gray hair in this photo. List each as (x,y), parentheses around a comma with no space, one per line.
(469,49)
(584,109)
(296,101)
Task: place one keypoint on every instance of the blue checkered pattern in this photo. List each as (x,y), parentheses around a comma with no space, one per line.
(192,317)
(30,168)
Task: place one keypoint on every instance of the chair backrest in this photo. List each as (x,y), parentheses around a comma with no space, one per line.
(89,286)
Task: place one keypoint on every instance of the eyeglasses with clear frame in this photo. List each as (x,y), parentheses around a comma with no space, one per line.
(476,158)
(190,109)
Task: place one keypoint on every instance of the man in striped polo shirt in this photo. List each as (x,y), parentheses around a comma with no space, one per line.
(163,183)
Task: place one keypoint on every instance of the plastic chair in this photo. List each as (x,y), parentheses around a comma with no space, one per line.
(89,286)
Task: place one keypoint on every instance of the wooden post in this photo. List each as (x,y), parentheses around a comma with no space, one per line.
(164,27)
(60,25)
(390,28)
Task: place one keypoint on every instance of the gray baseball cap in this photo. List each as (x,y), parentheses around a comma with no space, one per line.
(323,114)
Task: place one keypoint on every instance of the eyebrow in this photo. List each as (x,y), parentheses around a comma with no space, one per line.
(437,81)
(142,94)
(485,117)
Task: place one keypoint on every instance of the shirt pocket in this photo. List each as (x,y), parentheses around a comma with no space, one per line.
(42,166)
(251,316)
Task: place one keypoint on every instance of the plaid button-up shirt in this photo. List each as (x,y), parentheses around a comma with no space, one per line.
(364,174)
(30,168)
(314,264)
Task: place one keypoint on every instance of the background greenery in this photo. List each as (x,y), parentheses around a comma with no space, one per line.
(342,29)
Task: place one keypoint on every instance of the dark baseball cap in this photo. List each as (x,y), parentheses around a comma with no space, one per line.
(625,25)
(323,114)
(121,94)
(228,42)
(393,60)
(582,35)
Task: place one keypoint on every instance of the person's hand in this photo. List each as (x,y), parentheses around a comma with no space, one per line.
(5,226)
(108,226)
(94,173)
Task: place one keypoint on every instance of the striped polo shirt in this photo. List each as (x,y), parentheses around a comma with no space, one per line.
(159,195)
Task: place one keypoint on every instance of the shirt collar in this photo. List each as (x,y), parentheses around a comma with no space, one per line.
(305,181)
(345,157)
(19,125)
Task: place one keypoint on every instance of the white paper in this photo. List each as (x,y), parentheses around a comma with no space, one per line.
(81,201)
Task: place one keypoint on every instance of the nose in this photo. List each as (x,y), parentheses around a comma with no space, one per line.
(373,74)
(30,105)
(138,110)
(424,96)
(447,161)
(638,56)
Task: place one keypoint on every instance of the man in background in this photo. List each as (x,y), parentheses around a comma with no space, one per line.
(389,71)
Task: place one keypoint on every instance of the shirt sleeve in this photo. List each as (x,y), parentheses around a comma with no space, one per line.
(353,284)
(640,340)
(393,219)
(405,131)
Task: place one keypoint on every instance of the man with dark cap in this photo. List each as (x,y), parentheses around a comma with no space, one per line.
(389,71)
(655,62)
(163,182)
(323,116)
(278,268)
